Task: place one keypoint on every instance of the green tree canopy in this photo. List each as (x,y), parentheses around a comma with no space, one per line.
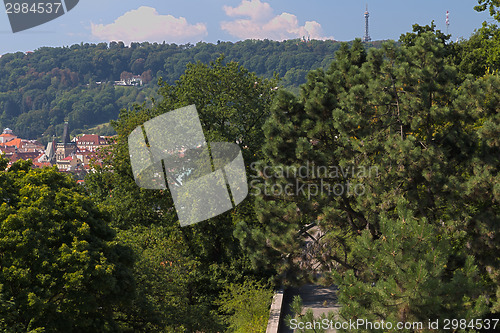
(233,105)
(393,123)
(61,269)
(491,6)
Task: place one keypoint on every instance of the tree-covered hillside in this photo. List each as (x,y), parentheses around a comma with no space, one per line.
(381,177)
(39,89)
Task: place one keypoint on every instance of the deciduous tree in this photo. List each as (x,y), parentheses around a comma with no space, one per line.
(61,269)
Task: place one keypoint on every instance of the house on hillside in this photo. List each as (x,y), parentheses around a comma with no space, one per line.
(134,80)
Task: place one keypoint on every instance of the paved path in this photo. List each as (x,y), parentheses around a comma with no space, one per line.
(319,299)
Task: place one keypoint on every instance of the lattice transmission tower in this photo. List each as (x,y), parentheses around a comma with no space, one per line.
(366,37)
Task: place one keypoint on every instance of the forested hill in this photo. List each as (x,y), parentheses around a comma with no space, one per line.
(39,89)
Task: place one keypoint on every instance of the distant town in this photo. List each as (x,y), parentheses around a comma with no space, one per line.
(77,156)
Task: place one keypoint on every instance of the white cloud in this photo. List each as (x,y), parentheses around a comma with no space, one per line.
(145,24)
(259,22)
(257,10)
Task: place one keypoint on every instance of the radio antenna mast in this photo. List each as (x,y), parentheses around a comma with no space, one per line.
(367,37)
(447,21)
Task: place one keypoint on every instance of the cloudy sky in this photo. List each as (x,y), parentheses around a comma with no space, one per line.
(232,20)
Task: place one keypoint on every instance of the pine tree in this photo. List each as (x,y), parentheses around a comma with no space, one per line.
(407,277)
(395,123)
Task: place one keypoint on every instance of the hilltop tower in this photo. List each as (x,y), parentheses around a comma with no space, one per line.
(447,21)
(366,37)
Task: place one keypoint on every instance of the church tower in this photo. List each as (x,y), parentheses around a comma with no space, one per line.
(66,147)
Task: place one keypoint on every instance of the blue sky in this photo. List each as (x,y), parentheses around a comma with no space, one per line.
(232,20)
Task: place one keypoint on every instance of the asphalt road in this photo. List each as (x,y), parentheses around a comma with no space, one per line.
(317,298)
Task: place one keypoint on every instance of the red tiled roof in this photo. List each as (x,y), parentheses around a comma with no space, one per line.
(92,139)
(41,165)
(85,152)
(7,149)
(15,142)
(33,143)
(22,156)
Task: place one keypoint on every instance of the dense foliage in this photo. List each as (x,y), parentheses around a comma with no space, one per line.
(247,304)
(183,270)
(39,89)
(406,219)
(61,269)
(381,177)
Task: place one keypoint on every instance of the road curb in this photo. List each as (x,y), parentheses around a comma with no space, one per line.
(275,312)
